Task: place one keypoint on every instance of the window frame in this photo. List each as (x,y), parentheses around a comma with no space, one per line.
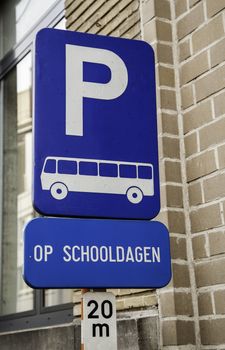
(40,315)
(52,16)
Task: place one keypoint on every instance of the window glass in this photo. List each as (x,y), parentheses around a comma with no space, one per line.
(17,208)
(107,169)
(128,171)
(15,295)
(24,93)
(67,167)
(18,18)
(88,168)
(50,166)
(58,296)
(144,172)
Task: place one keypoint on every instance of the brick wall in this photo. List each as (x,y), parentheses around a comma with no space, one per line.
(201,51)
(176,312)
(189,41)
(114,17)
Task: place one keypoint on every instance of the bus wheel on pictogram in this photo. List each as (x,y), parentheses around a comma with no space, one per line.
(59,190)
(134,195)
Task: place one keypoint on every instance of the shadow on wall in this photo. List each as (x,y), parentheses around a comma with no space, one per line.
(133,334)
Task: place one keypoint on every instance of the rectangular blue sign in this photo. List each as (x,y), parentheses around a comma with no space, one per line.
(88,253)
(95,132)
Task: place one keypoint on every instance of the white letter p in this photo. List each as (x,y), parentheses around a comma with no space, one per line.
(76,88)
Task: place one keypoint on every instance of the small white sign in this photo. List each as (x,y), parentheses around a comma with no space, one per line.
(99,321)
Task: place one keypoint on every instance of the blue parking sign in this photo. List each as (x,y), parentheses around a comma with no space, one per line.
(95,128)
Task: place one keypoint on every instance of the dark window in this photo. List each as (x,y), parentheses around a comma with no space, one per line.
(144,172)
(88,168)
(50,166)
(128,171)
(22,307)
(107,169)
(67,167)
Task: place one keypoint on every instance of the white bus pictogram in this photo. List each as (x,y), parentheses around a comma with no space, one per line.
(61,175)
